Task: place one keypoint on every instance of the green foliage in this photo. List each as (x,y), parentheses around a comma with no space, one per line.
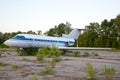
(76,54)
(53,63)
(105,34)
(29,51)
(48,65)
(115,50)
(41,54)
(56,59)
(54,51)
(109,72)
(14,66)
(34,77)
(60,29)
(19,51)
(3,46)
(90,71)
(45,52)
(3,64)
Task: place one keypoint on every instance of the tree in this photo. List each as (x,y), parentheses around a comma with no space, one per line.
(117,25)
(106,34)
(51,32)
(30,32)
(60,29)
(68,28)
(39,32)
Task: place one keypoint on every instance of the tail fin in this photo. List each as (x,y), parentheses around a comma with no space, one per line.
(73,35)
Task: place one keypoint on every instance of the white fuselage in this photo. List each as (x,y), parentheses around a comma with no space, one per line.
(30,40)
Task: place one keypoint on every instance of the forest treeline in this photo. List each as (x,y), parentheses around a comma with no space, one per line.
(104,34)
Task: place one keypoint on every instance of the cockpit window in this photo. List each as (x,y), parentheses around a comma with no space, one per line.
(19,37)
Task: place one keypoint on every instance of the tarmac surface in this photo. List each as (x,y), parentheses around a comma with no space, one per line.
(69,68)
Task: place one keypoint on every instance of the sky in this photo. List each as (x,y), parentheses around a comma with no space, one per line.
(25,15)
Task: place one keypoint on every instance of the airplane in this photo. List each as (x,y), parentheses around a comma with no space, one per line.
(31,40)
(37,41)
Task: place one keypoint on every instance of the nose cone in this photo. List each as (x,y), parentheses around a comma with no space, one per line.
(7,42)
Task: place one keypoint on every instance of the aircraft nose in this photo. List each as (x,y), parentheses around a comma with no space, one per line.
(7,42)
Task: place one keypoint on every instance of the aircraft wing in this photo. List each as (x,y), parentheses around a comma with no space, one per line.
(83,48)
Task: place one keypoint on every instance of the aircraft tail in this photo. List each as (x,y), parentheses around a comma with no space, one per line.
(73,35)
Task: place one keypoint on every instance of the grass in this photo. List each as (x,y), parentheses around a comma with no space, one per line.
(47,72)
(109,72)
(85,54)
(90,71)
(53,63)
(76,54)
(7,49)
(48,68)
(3,64)
(14,66)
(34,77)
(115,50)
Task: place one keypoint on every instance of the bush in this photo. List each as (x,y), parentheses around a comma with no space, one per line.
(90,71)
(29,51)
(54,51)
(108,72)
(41,54)
(48,65)
(45,52)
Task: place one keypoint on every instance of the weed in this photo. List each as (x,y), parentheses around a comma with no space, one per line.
(34,77)
(3,64)
(14,66)
(28,51)
(85,54)
(90,71)
(25,59)
(45,52)
(76,54)
(94,54)
(54,51)
(56,59)
(109,72)
(47,68)
(53,63)
(41,54)
(40,57)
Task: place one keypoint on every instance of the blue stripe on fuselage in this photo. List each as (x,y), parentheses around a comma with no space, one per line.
(41,40)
